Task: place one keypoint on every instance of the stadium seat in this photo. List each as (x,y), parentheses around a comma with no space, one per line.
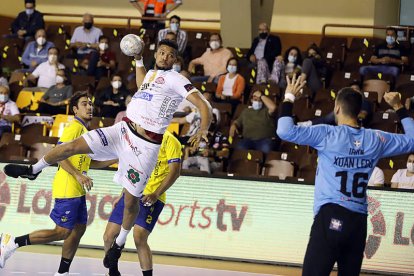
(279,168)
(38,150)
(244,167)
(251,155)
(385,121)
(379,86)
(99,122)
(60,122)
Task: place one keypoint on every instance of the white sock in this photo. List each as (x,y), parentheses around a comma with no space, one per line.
(40,165)
(121,239)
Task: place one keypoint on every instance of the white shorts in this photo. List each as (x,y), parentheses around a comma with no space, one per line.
(137,157)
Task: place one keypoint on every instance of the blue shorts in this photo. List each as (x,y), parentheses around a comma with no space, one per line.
(147,216)
(68,212)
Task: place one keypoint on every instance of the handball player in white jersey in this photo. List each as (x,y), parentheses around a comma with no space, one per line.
(136,140)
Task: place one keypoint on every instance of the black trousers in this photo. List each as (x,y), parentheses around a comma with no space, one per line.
(337,235)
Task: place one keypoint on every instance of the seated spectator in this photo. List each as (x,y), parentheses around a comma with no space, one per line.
(122,114)
(181,35)
(112,100)
(292,63)
(231,86)
(36,51)
(404,178)
(265,48)
(257,125)
(9,113)
(100,63)
(214,61)
(28,21)
(46,72)
(85,39)
(315,55)
(364,116)
(56,98)
(208,157)
(388,57)
(377,178)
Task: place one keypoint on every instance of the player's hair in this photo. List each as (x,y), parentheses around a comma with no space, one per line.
(169,43)
(74,100)
(350,101)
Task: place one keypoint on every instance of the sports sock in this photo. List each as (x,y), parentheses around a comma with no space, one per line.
(147,272)
(64,265)
(121,239)
(22,240)
(40,165)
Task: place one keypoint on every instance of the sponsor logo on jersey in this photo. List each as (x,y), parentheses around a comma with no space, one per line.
(144,96)
(133,176)
(64,219)
(104,141)
(189,87)
(125,135)
(160,80)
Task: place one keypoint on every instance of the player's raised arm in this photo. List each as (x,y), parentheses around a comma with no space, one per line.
(205,110)
(140,70)
(286,128)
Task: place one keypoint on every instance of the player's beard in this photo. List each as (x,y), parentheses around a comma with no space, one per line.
(162,68)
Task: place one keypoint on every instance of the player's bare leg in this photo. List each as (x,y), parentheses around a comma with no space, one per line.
(144,251)
(111,232)
(70,246)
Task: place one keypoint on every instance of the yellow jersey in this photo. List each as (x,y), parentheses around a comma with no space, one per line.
(65,185)
(170,152)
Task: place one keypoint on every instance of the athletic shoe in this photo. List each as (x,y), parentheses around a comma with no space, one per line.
(7,248)
(63,274)
(113,255)
(113,274)
(106,261)
(24,171)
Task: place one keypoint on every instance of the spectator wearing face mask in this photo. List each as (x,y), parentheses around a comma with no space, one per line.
(214,61)
(388,57)
(404,178)
(257,126)
(56,98)
(102,62)
(265,48)
(46,72)
(112,99)
(175,28)
(291,64)
(9,113)
(85,39)
(231,86)
(36,52)
(28,21)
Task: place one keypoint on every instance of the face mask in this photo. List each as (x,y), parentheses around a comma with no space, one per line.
(87,25)
(29,11)
(214,45)
(40,41)
(103,46)
(410,167)
(116,84)
(174,27)
(232,69)
(59,79)
(390,39)
(263,35)
(291,59)
(52,58)
(176,68)
(257,105)
(4,98)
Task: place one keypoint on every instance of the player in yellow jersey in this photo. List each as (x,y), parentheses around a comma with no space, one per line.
(166,171)
(69,212)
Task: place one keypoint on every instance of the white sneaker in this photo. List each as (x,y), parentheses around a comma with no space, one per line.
(7,248)
(64,274)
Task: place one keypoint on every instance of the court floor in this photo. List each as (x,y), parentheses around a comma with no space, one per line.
(44,260)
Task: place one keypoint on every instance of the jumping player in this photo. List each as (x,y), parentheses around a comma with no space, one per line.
(347,156)
(69,212)
(136,140)
(162,178)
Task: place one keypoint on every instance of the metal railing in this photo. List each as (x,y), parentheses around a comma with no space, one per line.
(130,18)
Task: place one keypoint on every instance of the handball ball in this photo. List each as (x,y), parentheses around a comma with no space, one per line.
(131,45)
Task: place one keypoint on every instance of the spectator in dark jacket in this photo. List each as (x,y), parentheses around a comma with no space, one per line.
(265,48)
(28,22)
(112,99)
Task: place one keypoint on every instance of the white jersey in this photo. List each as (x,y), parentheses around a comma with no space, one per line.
(155,102)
